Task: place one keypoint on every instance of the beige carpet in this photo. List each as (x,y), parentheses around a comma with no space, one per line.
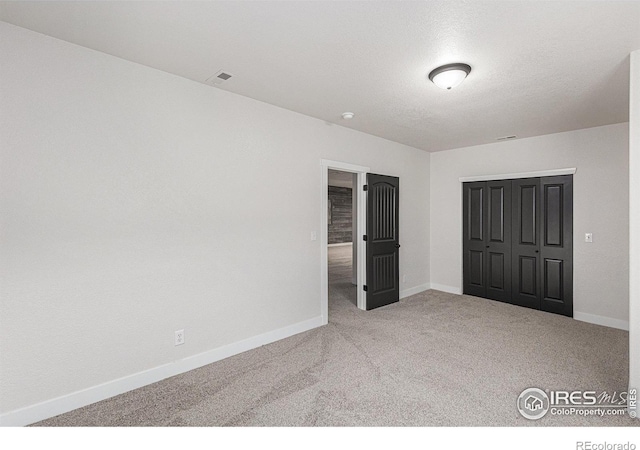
(432,359)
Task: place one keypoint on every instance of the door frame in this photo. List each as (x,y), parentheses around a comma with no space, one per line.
(361,198)
(504,176)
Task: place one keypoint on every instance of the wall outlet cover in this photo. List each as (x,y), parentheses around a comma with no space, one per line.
(179,337)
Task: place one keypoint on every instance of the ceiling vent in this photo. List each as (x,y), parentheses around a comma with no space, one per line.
(219,78)
(506,138)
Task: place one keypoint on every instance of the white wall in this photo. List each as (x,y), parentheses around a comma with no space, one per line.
(601,207)
(135,203)
(634,215)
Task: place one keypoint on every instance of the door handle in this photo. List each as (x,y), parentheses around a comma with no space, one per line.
(537,251)
(397,245)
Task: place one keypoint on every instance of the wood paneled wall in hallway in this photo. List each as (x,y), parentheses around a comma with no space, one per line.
(341,219)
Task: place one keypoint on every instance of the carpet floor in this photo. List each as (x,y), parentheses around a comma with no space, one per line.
(433,359)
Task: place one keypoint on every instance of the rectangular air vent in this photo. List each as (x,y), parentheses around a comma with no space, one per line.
(504,138)
(219,77)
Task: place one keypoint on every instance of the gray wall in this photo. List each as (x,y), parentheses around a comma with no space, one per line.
(341,223)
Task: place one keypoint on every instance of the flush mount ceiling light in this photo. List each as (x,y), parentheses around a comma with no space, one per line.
(348,115)
(449,75)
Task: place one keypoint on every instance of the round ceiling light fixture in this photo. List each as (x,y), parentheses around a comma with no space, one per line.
(449,75)
(348,115)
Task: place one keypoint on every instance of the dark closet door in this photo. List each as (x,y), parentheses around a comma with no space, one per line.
(498,240)
(526,242)
(474,238)
(487,239)
(383,270)
(556,246)
(518,242)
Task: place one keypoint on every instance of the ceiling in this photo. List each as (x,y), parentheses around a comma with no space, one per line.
(538,67)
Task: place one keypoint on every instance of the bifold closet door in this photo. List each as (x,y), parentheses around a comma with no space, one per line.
(498,240)
(556,245)
(474,241)
(518,242)
(525,246)
(487,239)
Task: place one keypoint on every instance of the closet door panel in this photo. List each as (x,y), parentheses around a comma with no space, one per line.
(525,245)
(556,247)
(498,245)
(474,230)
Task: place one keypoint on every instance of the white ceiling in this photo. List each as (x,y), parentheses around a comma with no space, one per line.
(539,67)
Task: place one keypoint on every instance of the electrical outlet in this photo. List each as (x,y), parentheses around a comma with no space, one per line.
(179,337)
(588,237)
(404,278)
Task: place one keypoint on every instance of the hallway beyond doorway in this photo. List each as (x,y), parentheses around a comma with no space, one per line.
(342,292)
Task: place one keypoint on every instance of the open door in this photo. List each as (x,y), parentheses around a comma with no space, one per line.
(383,269)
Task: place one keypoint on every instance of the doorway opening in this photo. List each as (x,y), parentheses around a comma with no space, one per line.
(347,221)
(342,220)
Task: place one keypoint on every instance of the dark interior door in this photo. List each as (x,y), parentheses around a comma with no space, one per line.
(498,240)
(556,245)
(474,240)
(487,239)
(383,271)
(518,242)
(526,242)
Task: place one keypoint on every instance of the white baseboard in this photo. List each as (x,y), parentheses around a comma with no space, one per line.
(584,317)
(341,244)
(66,403)
(444,288)
(414,290)
(601,320)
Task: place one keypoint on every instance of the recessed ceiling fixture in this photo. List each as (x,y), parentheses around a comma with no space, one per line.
(348,115)
(449,75)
